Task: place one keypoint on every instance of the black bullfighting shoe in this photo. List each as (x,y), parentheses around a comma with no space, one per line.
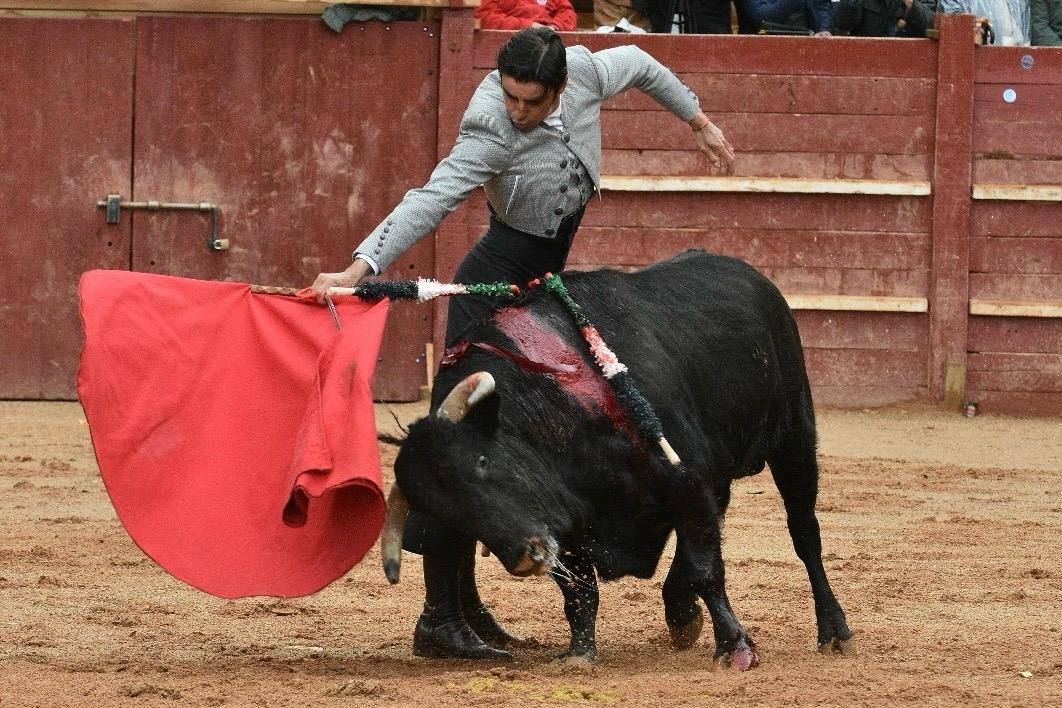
(451,638)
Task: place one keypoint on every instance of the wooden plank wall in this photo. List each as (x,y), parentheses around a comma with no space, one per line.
(65,141)
(1015,362)
(790,109)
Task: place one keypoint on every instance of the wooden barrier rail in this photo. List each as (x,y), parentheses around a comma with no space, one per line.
(1019,192)
(857,303)
(779,185)
(1015,308)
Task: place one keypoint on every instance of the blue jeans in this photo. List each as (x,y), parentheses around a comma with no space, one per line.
(819,13)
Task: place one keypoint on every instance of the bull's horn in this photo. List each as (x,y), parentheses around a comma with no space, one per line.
(391,537)
(465,395)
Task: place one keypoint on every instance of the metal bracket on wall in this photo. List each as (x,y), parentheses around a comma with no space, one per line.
(114,204)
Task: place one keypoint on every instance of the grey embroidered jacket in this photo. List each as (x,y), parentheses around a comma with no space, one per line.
(529,177)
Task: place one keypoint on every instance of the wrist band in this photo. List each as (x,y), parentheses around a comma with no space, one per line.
(704,125)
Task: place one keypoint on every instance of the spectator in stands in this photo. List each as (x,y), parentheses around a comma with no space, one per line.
(703,16)
(884,18)
(753,14)
(608,12)
(1009,19)
(1046,22)
(521,14)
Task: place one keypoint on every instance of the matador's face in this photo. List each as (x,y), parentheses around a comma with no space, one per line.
(528,102)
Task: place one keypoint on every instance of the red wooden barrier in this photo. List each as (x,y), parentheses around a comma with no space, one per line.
(65,139)
(872,110)
(919,181)
(1015,362)
(791,108)
(279,121)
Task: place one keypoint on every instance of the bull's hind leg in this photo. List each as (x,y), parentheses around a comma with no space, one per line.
(796,474)
(682,612)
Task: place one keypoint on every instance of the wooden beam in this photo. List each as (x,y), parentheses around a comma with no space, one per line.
(1019,192)
(458,82)
(858,303)
(949,288)
(792,185)
(1015,308)
(281,7)
(955,386)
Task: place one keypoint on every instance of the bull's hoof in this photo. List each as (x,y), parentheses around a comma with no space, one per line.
(453,640)
(685,635)
(488,629)
(741,658)
(844,647)
(577,661)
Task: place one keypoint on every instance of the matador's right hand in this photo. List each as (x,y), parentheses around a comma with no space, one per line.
(348,278)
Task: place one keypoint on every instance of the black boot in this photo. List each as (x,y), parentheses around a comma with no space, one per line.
(442,631)
(477,614)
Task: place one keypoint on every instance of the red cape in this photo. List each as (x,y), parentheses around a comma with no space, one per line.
(234,431)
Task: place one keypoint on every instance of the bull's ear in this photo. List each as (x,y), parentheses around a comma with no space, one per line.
(483,416)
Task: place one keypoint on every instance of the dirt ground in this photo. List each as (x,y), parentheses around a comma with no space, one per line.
(941,537)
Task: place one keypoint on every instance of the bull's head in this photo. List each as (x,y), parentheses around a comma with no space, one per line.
(461,467)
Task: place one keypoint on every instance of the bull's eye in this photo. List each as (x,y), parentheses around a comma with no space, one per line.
(481,466)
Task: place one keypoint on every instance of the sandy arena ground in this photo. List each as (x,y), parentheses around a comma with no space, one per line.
(941,536)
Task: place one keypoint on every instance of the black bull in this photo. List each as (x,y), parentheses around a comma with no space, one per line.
(550,483)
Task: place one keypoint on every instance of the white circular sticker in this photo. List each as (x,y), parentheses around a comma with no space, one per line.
(1010,95)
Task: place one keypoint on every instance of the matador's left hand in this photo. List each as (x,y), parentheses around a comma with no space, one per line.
(711,141)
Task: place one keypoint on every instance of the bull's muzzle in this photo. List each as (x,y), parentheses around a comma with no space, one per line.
(536,560)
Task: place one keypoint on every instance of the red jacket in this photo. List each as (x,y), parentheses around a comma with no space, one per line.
(518,14)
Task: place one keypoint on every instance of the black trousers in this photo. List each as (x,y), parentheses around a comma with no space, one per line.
(502,255)
(505,255)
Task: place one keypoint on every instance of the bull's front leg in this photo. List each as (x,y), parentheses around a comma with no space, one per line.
(575,575)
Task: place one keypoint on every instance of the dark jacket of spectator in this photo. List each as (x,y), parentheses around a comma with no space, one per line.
(884,18)
(1045,19)
(519,14)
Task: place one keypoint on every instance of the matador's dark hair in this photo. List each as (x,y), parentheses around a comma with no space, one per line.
(535,54)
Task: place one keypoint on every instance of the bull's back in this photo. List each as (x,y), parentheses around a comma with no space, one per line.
(708,339)
(696,306)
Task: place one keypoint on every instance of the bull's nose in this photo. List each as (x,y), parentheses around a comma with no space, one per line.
(533,561)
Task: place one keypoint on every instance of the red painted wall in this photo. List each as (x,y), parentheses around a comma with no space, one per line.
(1015,363)
(65,139)
(306,139)
(303,137)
